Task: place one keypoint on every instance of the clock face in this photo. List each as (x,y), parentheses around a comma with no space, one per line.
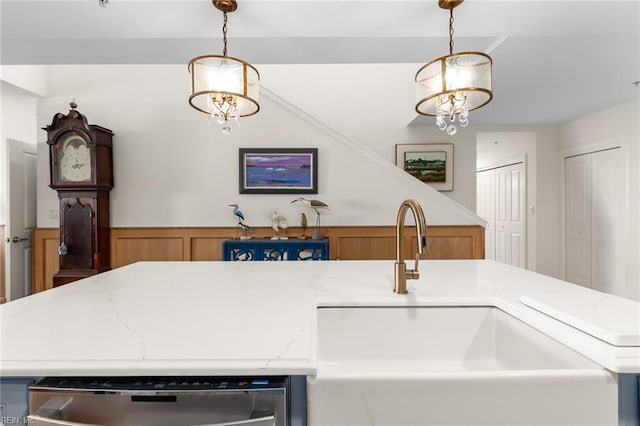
(75,160)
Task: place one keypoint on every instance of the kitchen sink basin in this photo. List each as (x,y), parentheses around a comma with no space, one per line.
(450,366)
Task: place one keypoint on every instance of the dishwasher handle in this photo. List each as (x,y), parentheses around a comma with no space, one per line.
(260,421)
(36,420)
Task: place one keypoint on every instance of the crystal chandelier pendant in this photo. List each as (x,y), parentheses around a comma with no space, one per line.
(224,87)
(223,108)
(451,86)
(451,108)
(464,118)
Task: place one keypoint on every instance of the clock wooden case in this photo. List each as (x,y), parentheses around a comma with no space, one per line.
(81,170)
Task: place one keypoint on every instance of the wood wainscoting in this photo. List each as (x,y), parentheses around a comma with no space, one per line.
(129,245)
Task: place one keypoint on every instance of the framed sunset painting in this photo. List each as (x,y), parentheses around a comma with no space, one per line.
(278,170)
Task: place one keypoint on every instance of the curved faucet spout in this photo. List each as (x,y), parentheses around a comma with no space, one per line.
(402,274)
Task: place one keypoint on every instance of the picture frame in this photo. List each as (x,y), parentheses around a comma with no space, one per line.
(429,163)
(278,170)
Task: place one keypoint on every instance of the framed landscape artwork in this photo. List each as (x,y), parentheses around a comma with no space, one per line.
(278,170)
(430,163)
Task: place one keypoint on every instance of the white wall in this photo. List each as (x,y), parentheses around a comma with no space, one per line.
(19,119)
(373,104)
(548,202)
(615,126)
(172,169)
(30,78)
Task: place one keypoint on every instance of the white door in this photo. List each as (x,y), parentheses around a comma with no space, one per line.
(486,209)
(595,221)
(21,218)
(578,219)
(501,200)
(517,216)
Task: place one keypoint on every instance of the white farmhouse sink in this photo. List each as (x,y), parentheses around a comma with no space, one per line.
(450,366)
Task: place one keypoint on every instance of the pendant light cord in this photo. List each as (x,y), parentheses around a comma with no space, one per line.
(224,35)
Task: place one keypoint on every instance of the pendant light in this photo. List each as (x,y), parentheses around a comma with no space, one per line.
(224,87)
(453,85)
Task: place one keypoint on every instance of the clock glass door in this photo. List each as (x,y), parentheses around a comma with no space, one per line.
(77,235)
(74,159)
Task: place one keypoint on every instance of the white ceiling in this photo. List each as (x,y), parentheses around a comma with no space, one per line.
(554,60)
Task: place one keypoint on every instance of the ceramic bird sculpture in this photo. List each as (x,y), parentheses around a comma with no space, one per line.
(277,222)
(316,205)
(237,213)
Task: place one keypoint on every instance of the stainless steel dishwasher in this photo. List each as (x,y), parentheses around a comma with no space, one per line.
(159,401)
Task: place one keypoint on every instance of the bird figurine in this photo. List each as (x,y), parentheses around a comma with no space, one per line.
(312,204)
(278,222)
(237,213)
(316,205)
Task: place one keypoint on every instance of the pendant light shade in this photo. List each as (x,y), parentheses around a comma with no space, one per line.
(220,83)
(224,87)
(465,77)
(452,85)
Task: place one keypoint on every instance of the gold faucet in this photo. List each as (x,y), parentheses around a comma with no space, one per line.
(402,274)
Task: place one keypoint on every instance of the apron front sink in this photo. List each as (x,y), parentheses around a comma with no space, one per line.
(450,366)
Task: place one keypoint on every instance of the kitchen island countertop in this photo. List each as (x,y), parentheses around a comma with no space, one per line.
(258,318)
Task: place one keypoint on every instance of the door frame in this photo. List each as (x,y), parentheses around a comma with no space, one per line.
(605,145)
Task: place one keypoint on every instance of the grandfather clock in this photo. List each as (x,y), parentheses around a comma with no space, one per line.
(81,169)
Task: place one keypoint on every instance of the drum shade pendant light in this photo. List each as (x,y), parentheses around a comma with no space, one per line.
(452,85)
(223,87)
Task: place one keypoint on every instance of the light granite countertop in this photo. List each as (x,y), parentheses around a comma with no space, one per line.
(258,318)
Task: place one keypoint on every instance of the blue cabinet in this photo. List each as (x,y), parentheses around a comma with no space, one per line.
(14,400)
(248,250)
